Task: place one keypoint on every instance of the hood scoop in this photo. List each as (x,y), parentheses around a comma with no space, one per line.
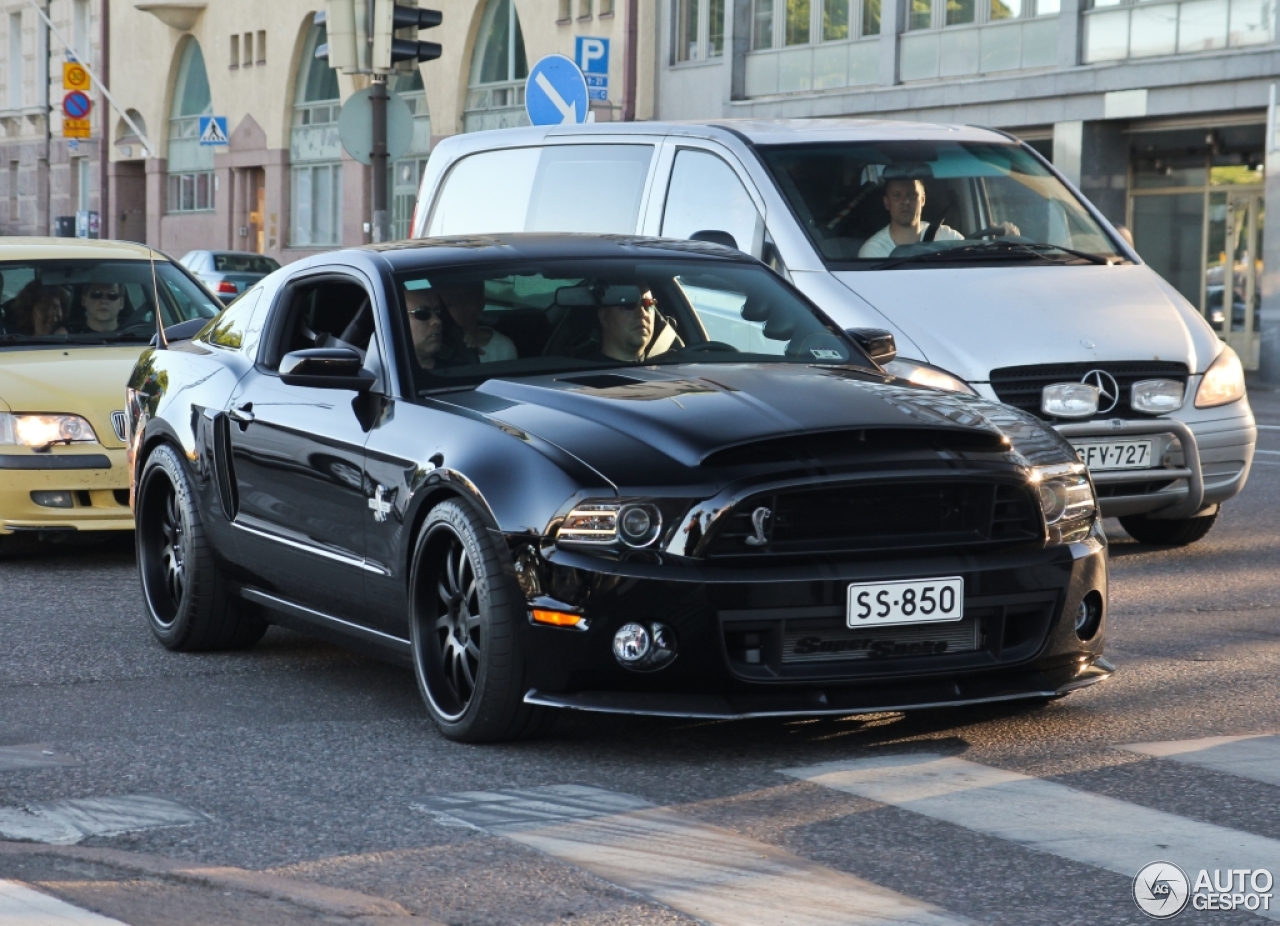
(847,446)
(600,380)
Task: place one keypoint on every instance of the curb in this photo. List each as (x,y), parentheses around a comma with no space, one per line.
(330,901)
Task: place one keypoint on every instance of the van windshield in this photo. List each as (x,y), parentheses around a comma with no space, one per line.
(880,205)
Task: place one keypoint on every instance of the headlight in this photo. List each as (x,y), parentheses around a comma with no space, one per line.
(1223,382)
(922,374)
(1156,396)
(602,523)
(1066,501)
(41,431)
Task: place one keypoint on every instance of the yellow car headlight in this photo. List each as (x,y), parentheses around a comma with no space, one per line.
(43,431)
(1223,382)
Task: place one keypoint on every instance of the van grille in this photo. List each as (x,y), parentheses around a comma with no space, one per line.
(1021,387)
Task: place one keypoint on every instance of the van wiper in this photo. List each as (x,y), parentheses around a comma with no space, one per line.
(996,249)
(7,339)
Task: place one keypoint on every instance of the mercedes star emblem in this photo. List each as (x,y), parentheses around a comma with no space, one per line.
(1108,389)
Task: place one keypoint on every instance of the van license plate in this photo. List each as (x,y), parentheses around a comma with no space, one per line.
(914,601)
(1115,454)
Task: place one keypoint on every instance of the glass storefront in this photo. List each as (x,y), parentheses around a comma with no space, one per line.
(1198,220)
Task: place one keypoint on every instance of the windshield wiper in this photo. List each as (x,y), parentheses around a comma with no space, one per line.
(996,249)
(7,339)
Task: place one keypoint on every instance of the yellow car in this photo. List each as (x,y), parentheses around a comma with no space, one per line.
(74,316)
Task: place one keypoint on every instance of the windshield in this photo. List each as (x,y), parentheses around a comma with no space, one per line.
(244,263)
(87,302)
(869,205)
(466,326)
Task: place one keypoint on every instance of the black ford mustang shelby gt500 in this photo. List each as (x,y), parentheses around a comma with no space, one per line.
(616,474)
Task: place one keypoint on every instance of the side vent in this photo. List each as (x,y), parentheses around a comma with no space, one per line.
(223,476)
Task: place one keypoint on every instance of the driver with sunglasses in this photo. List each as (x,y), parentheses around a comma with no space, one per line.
(102,304)
(436,340)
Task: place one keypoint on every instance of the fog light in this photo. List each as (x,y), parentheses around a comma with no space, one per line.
(1156,396)
(1069,400)
(631,644)
(53,499)
(1089,616)
(639,524)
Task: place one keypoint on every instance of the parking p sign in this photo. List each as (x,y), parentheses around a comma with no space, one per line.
(592,57)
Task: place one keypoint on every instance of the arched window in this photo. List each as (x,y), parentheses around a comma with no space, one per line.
(495,94)
(315,153)
(190,163)
(406,173)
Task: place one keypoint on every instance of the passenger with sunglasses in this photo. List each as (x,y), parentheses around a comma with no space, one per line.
(465,302)
(102,304)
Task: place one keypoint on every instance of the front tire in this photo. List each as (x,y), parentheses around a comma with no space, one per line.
(1176,533)
(189,606)
(463,625)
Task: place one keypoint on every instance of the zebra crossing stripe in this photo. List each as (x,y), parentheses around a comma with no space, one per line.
(718,876)
(1044,815)
(68,822)
(1253,757)
(22,906)
(34,755)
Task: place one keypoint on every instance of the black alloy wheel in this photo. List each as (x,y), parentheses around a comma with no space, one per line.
(189,606)
(464,620)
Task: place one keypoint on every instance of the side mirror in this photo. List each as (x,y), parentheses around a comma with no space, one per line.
(326,368)
(715,236)
(876,342)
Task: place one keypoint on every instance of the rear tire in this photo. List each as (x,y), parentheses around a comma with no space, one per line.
(1159,533)
(189,606)
(464,617)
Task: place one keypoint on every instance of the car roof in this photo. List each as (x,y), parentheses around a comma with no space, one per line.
(476,249)
(24,249)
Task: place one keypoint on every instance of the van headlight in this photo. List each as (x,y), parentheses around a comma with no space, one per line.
(924,374)
(43,431)
(1223,382)
(1066,501)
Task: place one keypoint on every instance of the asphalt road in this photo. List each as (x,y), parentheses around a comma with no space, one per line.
(298,783)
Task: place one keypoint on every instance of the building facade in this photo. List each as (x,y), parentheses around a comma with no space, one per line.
(44,176)
(283,184)
(1158,110)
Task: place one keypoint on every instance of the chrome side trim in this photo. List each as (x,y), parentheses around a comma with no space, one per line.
(316,550)
(1193,501)
(283,604)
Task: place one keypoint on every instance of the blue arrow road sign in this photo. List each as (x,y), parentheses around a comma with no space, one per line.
(556,93)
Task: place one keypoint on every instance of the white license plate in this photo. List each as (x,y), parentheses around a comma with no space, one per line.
(913,601)
(1115,454)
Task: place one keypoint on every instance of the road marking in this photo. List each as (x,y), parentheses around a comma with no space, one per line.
(1043,815)
(34,755)
(1273,453)
(1253,757)
(21,906)
(67,822)
(718,876)
(1264,463)
(1269,427)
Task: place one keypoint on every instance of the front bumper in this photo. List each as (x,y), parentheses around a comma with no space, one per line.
(737,633)
(1202,462)
(96,477)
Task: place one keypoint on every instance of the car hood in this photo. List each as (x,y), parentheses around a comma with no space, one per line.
(973,320)
(87,381)
(626,422)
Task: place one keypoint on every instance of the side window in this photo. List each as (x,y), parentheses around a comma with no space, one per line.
(229,329)
(706,195)
(567,188)
(486,193)
(589,188)
(324,313)
(721,313)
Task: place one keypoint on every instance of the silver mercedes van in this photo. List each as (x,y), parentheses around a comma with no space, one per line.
(994,274)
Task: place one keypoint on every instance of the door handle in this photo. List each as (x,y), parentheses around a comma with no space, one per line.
(242,414)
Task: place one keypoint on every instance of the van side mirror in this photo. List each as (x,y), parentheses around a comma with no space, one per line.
(326,368)
(715,236)
(878,344)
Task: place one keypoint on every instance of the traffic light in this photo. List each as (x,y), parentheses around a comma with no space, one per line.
(346,25)
(395,34)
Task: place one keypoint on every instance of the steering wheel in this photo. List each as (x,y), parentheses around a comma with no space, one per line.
(710,347)
(991,231)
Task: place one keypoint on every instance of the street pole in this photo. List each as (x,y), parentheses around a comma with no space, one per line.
(378,97)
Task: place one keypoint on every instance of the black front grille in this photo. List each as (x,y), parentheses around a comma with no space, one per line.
(880,517)
(1021,386)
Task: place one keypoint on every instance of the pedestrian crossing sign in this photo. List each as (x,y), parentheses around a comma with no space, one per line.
(213,130)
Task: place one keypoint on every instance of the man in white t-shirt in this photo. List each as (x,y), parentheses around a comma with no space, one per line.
(905,201)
